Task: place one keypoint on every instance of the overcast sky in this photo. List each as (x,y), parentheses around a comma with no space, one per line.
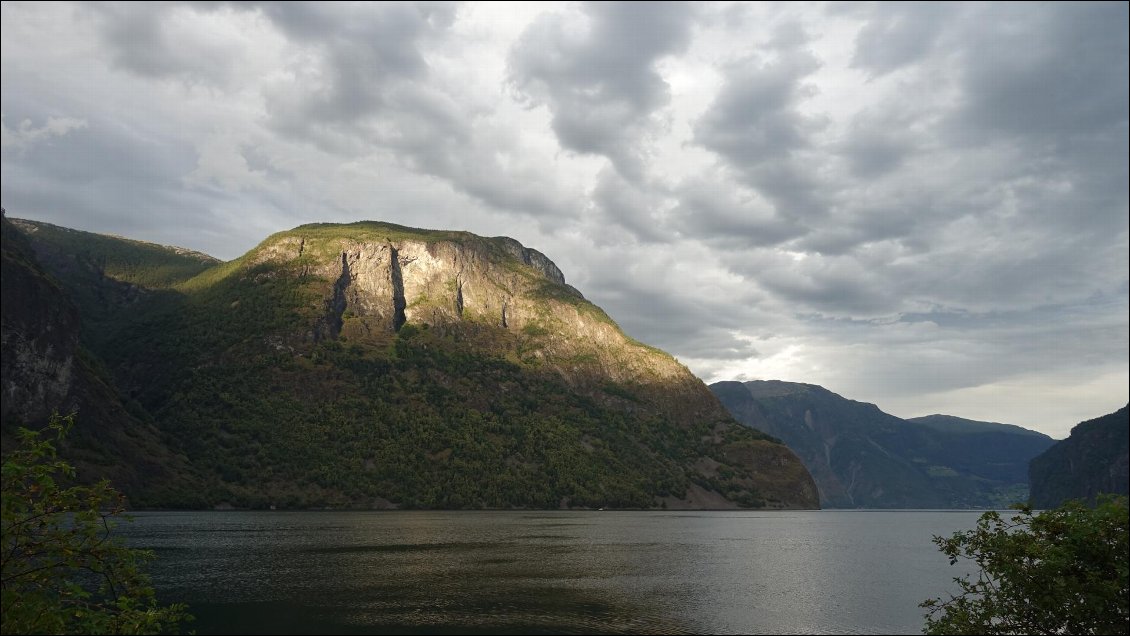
(918,205)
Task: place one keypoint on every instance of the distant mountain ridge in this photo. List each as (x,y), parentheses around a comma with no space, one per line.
(1094,459)
(954,424)
(862,457)
(371,365)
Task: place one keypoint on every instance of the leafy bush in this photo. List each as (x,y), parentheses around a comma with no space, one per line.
(62,572)
(1062,571)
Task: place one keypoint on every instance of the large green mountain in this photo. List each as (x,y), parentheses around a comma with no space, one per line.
(1094,459)
(373,365)
(862,457)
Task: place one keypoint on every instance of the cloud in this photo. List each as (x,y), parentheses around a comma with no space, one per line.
(597,74)
(728,215)
(899,34)
(161,41)
(755,124)
(27,134)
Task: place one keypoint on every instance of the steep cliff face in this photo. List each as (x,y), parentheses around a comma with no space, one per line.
(863,457)
(1094,459)
(372,365)
(460,281)
(39,336)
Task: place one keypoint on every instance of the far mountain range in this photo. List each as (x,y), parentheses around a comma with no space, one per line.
(862,457)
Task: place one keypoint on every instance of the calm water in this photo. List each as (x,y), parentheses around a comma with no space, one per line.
(486,572)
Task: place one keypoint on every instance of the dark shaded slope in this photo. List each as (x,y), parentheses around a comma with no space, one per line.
(1092,460)
(45,369)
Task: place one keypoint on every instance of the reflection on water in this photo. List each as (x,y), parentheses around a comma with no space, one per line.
(539,572)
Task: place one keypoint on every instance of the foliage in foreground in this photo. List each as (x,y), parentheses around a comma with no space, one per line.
(62,572)
(1062,571)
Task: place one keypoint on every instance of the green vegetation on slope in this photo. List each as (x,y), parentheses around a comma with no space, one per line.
(135,262)
(422,418)
(449,412)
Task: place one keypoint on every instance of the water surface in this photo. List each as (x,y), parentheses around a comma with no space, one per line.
(551,572)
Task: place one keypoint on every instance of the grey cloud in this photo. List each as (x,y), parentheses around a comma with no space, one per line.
(680,320)
(755,125)
(110,177)
(365,54)
(602,87)
(1058,72)
(877,144)
(370,89)
(621,203)
(945,351)
(898,34)
(68,183)
(141,40)
(835,286)
(753,119)
(318,22)
(1053,84)
(725,216)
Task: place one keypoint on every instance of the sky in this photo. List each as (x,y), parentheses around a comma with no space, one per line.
(918,205)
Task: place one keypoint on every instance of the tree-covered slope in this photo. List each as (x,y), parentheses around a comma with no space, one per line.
(863,457)
(1092,460)
(373,365)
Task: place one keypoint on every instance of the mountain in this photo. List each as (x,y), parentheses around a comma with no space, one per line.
(45,369)
(1092,460)
(372,365)
(862,457)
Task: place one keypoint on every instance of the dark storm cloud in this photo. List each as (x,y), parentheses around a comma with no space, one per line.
(601,86)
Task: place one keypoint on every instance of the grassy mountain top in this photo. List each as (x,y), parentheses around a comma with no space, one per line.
(127,260)
(953,424)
